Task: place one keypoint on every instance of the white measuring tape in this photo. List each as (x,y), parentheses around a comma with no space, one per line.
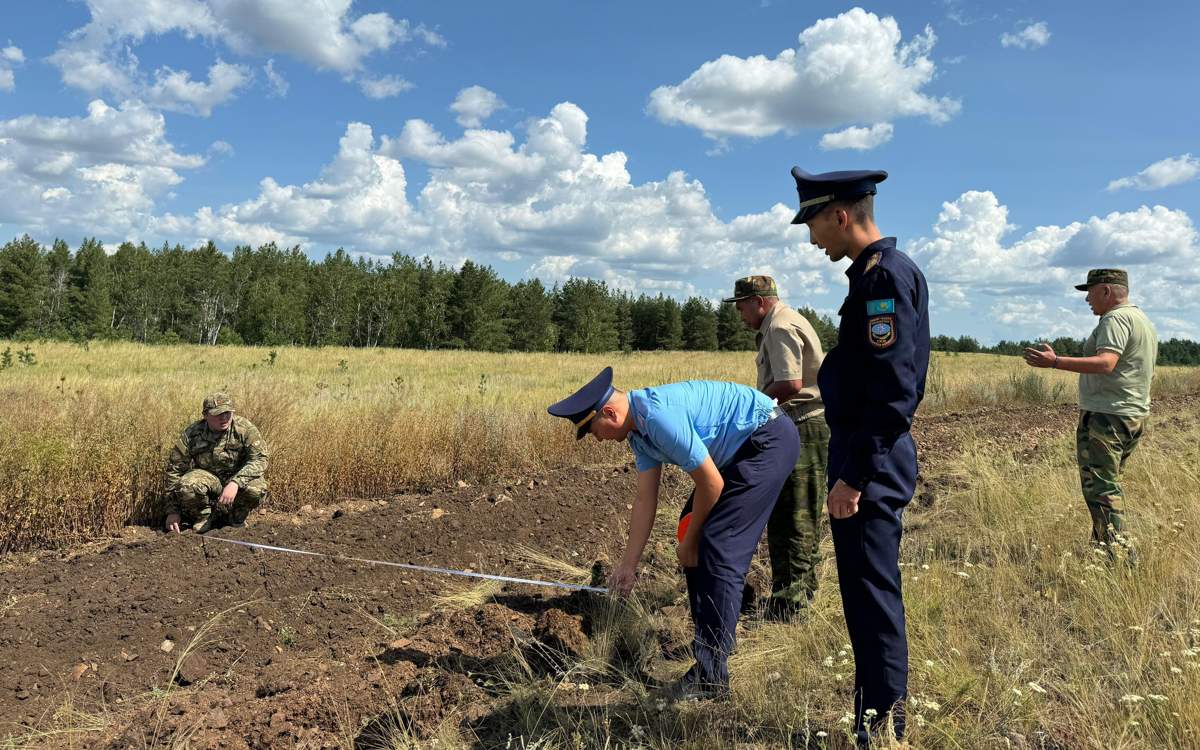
(407,566)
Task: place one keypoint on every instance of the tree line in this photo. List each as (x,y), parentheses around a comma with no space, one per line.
(273,296)
(1171,352)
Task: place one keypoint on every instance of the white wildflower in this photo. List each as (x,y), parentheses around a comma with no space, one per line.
(929,662)
(932,705)
(1157,698)
(925,567)
(870,713)
(828,662)
(1036,687)
(822,734)
(1176,670)
(1132,699)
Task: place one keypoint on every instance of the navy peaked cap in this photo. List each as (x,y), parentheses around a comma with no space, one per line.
(581,406)
(818,190)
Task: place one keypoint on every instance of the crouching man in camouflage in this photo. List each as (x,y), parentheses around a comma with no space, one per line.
(215,470)
(1114,397)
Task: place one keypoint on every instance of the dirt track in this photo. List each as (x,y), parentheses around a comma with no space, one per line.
(302,652)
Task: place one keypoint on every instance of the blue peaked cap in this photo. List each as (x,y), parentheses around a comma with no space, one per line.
(818,190)
(581,406)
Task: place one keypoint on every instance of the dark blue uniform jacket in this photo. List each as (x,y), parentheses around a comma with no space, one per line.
(873,380)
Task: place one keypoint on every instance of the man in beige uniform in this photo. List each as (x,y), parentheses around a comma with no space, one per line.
(1115,372)
(789,356)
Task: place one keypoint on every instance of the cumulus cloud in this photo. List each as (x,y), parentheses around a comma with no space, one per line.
(1031,36)
(384,86)
(176,91)
(850,69)
(474,105)
(8,81)
(1027,282)
(1174,170)
(99,57)
(99,174)
(538,195)
(860,139)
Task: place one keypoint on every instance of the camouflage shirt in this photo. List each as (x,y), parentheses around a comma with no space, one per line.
(238,454)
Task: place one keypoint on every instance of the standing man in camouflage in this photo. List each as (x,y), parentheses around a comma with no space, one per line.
(1114,396)
(215,470)
(789,357)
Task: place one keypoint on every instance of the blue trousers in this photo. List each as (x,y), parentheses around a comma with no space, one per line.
(753,480)
(867,546)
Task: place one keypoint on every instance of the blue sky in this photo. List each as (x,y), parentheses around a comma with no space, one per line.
(646,144)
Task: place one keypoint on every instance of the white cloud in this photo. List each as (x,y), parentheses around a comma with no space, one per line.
(1032,36)
(99,57)
(383,87)
(847,69)
(474,105)
(221,148)
(279,85)
(175,90)
(100,174)
(490,194)
(861,139)
(1174,170)
(1028,282)
(10,56)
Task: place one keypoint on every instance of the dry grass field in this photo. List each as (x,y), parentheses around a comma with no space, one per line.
(84,431)
(1021,636)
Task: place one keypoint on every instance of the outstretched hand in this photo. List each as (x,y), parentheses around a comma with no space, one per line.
(1043,357)
(173,522)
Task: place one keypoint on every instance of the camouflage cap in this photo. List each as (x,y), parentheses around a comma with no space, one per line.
(217,403)
(1104,276)
(753,286)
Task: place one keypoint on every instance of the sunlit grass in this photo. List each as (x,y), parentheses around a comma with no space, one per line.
(84,432)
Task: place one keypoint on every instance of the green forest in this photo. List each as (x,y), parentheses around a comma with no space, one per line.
(272,296)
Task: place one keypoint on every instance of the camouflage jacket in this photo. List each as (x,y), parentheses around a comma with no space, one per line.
(238,454)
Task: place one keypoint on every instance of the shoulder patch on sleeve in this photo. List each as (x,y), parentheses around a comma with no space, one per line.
(881,331)
(881,306)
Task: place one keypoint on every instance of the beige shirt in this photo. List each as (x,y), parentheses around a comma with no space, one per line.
(1125,391)
(789,349)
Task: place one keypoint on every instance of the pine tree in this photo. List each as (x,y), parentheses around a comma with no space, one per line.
(23,286)
(732,333)
(530,317)
(92,311)
(699,325)
(476,314)
(585,314)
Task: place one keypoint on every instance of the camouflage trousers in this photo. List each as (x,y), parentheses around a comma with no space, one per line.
(198,492)
(794,529)
(1103,443)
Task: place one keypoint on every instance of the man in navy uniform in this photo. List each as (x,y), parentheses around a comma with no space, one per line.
(871,383)
(739,449)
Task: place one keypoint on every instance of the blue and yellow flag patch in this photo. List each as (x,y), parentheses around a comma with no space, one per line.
(881,307)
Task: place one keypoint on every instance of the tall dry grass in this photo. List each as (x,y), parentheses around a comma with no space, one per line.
(84,431)
(1021,635)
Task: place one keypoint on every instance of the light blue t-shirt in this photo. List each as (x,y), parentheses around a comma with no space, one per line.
(685,423)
